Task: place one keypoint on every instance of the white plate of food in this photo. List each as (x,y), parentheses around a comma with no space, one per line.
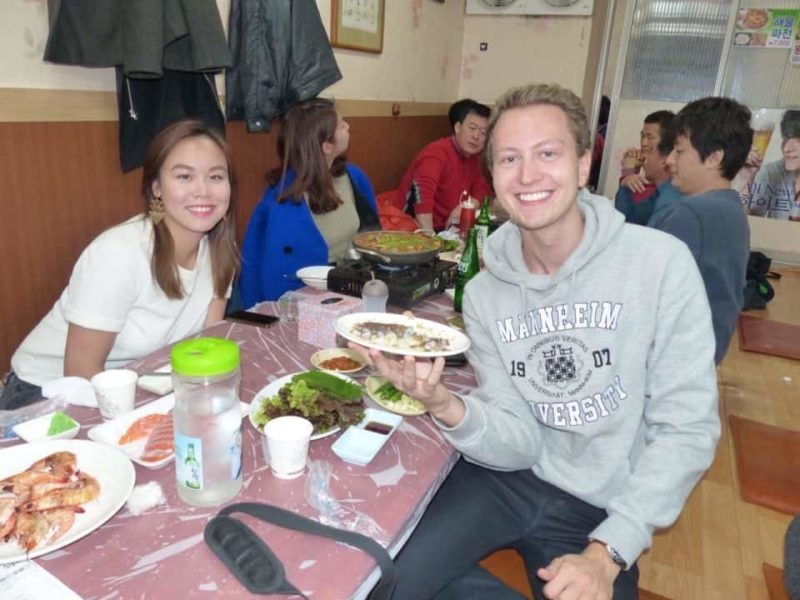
(101,477)
(322,426)
(389,397)
(338,360)
(401,334)
(145,434)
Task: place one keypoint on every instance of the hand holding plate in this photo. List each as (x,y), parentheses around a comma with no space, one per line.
(420,379)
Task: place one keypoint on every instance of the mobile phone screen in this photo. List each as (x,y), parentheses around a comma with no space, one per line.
(252,318)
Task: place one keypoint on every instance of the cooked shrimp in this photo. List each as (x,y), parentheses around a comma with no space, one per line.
(21,484)
(83,489)
(38,528)
(61,464)
(8,515)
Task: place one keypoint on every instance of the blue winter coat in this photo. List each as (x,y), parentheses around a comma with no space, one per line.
(282,237)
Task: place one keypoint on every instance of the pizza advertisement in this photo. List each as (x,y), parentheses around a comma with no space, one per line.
(766,27)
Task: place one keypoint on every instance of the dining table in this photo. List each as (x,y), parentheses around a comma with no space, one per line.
(162,553)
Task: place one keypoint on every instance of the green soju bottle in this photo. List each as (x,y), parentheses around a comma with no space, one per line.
(483,222)
(468,267)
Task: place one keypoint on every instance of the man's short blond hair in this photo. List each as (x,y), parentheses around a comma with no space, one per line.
(543,93)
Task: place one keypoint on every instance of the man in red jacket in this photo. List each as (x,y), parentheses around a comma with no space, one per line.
(432,186)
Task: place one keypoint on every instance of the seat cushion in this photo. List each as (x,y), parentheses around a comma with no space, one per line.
(769,337)
(768,464)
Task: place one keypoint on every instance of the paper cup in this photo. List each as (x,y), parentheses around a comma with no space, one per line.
(116,391)
(285,445)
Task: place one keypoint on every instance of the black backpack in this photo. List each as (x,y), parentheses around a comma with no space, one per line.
(758,290)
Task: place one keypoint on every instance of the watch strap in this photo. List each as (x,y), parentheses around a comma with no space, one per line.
(616,557)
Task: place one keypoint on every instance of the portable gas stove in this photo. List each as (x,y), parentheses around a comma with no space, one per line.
(407,284)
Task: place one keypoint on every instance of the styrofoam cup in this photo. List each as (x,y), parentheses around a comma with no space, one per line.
(116,391)
(285,445)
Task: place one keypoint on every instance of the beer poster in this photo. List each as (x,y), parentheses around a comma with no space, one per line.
(773,189)
(766,27)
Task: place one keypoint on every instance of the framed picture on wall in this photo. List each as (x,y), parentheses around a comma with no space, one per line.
(358,24)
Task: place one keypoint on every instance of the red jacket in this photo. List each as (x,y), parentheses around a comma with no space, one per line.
(437,177)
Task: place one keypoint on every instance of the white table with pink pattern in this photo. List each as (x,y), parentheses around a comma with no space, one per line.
(162,554)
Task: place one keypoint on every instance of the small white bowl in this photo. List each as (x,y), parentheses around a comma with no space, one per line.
(316,277)
(35,430)
(322,355)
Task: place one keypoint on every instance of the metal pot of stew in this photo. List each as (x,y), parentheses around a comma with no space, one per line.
(397,247)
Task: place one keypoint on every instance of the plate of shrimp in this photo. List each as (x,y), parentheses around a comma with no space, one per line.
(54,493)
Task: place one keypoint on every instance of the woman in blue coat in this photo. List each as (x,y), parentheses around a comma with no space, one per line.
(310,214)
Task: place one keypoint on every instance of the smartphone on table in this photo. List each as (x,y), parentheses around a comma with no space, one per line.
(252,318)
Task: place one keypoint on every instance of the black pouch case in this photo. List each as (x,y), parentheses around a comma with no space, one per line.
(260,570)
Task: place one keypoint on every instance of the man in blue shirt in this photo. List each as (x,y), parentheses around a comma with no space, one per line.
(712,141)
(655,169)
(634,199)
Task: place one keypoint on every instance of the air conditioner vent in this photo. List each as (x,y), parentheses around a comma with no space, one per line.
(530,7)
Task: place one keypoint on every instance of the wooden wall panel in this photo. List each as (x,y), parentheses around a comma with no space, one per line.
(63,186)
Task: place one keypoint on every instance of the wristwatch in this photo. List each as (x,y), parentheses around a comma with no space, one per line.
(616,557)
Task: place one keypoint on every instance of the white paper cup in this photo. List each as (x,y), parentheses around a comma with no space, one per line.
(116,391)
(285,445)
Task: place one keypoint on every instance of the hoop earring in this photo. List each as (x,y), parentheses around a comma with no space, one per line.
(156,210)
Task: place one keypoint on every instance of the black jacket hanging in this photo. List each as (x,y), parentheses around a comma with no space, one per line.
(165,51)
(281,56)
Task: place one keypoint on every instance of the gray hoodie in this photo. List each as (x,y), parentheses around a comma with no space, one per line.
(599,377)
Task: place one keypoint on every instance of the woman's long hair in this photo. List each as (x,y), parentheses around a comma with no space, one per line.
(304,128)
(222,238)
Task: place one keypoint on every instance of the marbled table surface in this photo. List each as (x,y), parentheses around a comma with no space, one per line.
(162,554)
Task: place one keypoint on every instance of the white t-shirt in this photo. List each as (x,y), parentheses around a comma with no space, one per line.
(112,289)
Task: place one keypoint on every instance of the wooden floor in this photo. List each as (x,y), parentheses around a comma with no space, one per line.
(716,549)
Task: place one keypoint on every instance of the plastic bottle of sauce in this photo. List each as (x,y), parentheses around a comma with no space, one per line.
(467,216)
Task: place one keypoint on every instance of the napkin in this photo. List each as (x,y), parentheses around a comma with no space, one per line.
(144,497)
(74,390)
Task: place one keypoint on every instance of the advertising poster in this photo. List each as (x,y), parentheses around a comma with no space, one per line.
(766,28)
(773,191)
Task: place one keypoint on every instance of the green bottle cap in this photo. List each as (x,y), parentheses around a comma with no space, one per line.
(204,357)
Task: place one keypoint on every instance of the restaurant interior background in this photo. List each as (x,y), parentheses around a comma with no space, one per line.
(58,124)
(664,54)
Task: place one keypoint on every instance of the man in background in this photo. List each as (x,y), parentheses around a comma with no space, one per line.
(656,169)
(712,141)
(636,188)
(432,186)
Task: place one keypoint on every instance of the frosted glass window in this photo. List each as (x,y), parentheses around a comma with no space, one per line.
(763,77)
(675,48)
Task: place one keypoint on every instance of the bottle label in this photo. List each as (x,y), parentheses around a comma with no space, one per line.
(189,461)
(235,453)
(482,232)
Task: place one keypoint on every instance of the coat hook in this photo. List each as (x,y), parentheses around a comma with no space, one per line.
(395,110)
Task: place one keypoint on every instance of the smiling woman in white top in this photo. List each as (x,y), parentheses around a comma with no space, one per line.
(148,282)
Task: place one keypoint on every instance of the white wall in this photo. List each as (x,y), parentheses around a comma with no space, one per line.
(421,54)
(22,48)
(522,50)
(421,59)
